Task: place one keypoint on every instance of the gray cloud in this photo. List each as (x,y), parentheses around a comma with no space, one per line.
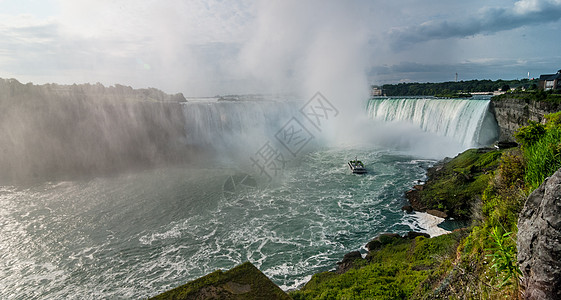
(487,21)
(214,47)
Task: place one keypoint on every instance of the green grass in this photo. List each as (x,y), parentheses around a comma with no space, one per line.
(542,149)
(399,270)
(543,158)
(462,180)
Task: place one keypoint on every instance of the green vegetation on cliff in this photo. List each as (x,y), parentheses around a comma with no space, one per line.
(550,96)
(451,87)
(486,266)
(453,186)
(494,217)
(401,269)
(489,252)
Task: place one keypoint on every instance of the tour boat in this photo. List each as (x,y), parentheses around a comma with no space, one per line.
(357,166)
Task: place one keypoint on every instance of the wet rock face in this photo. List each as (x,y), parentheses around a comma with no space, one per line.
(539,241)
(512,114)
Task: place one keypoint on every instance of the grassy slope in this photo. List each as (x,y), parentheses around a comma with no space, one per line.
(242,282)
(399,270)
(459,182)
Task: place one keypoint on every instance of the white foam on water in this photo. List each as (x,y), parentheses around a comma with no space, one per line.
(175,232)
(429,223)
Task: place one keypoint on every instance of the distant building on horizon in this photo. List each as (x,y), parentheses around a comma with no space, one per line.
(550,81)
(376,91)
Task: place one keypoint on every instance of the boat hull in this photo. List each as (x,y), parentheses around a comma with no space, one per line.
(356,168)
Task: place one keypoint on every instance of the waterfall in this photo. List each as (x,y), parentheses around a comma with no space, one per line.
(235,126)
(241,127)
(467,121)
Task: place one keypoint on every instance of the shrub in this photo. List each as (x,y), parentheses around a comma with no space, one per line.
(528,135)
(511,170)
(553,120)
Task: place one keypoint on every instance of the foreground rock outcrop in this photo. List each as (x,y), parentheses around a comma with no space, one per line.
(242,282)
(539,241)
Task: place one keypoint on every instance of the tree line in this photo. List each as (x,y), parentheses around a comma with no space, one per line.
(432,89)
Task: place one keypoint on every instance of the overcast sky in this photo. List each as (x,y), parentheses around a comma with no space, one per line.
(205,48)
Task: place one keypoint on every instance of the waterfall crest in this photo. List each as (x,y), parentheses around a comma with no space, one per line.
(466,121)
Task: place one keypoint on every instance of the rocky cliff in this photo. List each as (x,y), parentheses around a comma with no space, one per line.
(539,244)
(512,113)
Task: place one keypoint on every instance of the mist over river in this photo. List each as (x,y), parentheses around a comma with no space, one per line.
(139,232)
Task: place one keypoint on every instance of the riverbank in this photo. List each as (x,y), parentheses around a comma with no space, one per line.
(405,267)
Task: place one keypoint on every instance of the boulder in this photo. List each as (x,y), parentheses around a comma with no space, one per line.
(437,213)
(348,262)
(414,198)
(407,208)
(539,241)
(381,240)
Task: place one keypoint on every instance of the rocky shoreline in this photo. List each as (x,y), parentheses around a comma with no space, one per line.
(413,195)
